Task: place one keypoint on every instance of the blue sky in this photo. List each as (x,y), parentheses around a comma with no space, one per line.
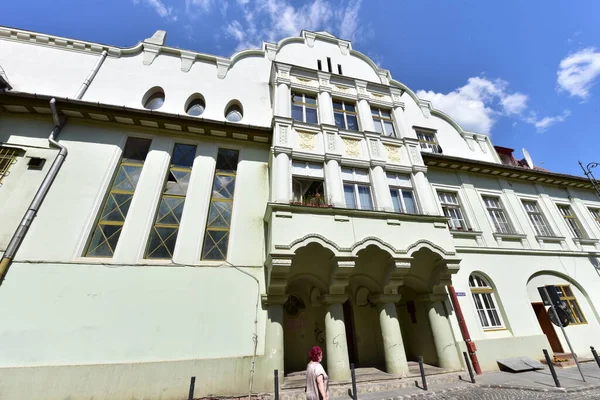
(522,71)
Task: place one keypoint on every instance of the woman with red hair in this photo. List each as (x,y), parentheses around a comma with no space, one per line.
(317,380)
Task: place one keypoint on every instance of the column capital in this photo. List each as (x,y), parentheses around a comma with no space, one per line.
(431,297)
(340,276)
(378,163)
(278,273)
(328,299)
(273,299)
(385,298)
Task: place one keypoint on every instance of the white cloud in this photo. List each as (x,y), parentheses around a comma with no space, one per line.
(234,29)
(160,8)
(477,105)
(544,123)
(578,72)
(201,6)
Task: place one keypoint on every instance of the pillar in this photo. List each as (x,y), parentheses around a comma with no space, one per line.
(333,176)
(398,111)
(424,193)
(281,178)
(443,338)
(336,346)
(393,345)
(274,343)
(324,103)
(364,115)
(381,189)
(282,100)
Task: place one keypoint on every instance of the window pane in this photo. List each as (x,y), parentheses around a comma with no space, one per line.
(227,160)
(396,200)
(219,214)
(375,111)
(162,242)
(136,149)
(409,202)
(311,115)
(297,113)
(310,99)
(389,128)
(337,105)
(339,120)
(378,126)
(350,107)
(364,194)
(104,241)
(349,196)
(385,114)
(215,245)
(352,122)
(183,155)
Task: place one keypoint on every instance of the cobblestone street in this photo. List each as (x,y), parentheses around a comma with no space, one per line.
(480,393)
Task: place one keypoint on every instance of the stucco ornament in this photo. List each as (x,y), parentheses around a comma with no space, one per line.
(283,134)
(352,147)
(308,140)
(393,152)
(330,142)
(375,148)
(414,155)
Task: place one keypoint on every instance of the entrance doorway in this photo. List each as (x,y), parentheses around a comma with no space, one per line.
(547,328)
(350,338)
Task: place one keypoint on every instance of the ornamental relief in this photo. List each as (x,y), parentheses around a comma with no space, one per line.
(307,140)
(375,148)
(352,147)
(306,81)
(393,153)
(330,142)
(283,134)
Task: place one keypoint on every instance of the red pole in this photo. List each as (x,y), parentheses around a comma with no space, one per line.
(465,332)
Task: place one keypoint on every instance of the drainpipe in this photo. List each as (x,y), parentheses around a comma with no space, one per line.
(471,348)
(19,235)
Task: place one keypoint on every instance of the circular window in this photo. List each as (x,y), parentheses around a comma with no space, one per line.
(293,306)
(154,98)
(234,113)
(195,105)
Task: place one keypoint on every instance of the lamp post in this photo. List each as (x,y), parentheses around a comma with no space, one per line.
(587,170)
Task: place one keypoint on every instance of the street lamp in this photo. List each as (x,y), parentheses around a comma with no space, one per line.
(587,170)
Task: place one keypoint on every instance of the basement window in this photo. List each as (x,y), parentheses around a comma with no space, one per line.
(36,163)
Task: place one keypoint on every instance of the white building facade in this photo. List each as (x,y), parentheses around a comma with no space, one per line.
(217,217)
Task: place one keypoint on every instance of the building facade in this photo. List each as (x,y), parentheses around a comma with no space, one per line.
(217,217)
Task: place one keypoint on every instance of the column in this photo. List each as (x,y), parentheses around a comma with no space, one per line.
(398,111)
(338,363)
(381,189)
(393,345)
(424,192)
(443,338)
(334,182)
(324,103)
(364,109)
(282,102)
(281,177)
(274,342)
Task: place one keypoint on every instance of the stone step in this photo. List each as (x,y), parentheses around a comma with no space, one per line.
(341,390)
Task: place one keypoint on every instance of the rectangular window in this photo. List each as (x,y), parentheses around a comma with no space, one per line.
(357,188)
(451,209)
(340,69)
(163,235)
(537,218)
(428,142)
(216,240)
(307,183)
(497,214)
(571,220)
(345,115)
(403,198)
(596,215)
(319,65)
(383,121)
(114,211)
(575,315)
(329,64)
(8,157)
(304,108)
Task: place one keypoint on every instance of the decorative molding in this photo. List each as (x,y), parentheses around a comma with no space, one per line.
(187,61)
(344,47)
(352,147)
(331,142)
(150,54)
(222,68)
(393,153)
(310,38)
(415,156)
(283,134)
(431,245)
(271,50)
(375,150)
(308,140)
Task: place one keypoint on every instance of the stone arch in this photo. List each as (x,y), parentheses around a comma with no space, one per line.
(426,244)
(295,245)
(373,241)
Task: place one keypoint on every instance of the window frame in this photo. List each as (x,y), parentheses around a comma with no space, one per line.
(355,183)
(454,206)
(401,188)
(546,229)
(595,214)
(304,105)
(569,300)
(379,118)
(345,114)
(495,213)
(426,144)
(478,295)
(8,158)
(573,218)
(297,177)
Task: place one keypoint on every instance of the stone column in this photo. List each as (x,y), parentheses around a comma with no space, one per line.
(283,93)
(443,338)
(324,103)
(424,192)
(333,176)
(393,345)
(274,343)
(398,111)
(380,187)
(364,109)
(338,363)
(281,177)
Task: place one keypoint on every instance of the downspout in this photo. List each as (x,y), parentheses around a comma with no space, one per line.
(471,349)
(19,235)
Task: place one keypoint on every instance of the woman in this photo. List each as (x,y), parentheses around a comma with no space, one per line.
(317,380)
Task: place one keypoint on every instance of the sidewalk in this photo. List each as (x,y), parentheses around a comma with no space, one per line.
(534,381)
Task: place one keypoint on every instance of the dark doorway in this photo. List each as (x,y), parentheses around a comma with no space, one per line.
(349,322)
(547,328)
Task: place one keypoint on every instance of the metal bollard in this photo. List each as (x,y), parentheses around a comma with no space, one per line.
(276,373)
(469,366)
(353,374)
(595,355)
(192,386)
(422,369)
(551,366)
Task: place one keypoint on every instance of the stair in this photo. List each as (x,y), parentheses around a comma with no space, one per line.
(368,380)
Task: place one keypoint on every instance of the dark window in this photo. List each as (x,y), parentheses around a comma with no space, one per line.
(319,66)
(340,69)
(329,64)
(36,163)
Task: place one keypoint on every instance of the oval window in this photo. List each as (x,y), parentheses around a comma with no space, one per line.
(195,105)
(154,99)
(234,113)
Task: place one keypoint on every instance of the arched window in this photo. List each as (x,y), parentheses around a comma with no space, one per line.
(485,302)
(195,105)
(234,113)
(154,98)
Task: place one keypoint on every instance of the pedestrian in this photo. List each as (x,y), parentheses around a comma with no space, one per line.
(317,381)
